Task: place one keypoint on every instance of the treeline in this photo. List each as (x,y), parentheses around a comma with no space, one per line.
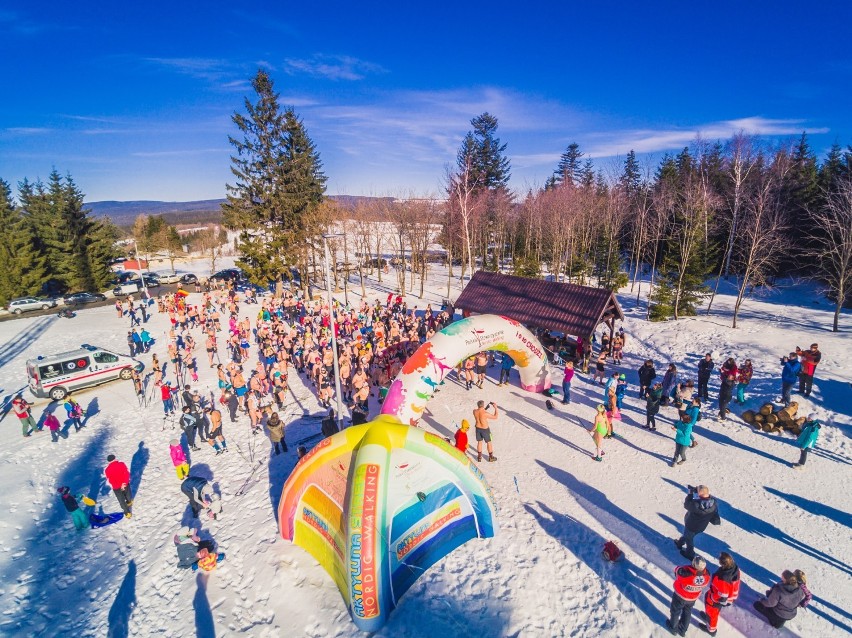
(51,243)
(740,207)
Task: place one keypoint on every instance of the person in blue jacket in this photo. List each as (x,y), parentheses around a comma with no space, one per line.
(789,376)
(683,435)
(807,439)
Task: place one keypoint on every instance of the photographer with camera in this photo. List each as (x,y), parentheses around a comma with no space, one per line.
(790,369)
(701,511)
(483,431)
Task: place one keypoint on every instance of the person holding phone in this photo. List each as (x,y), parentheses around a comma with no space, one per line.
(482,416)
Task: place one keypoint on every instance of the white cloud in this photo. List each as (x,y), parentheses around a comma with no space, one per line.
(27,130)
(180,153)
(333,67)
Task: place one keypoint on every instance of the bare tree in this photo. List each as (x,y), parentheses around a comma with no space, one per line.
(211,242)
(761,226)
(832,241)
(463,188)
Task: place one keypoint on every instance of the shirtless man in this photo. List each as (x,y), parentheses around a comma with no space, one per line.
(483,431)
(481,362)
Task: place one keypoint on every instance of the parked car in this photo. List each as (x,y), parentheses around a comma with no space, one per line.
(81,298)
(189,278)
(24,304)
(56,375)
(168,278)
(229,274)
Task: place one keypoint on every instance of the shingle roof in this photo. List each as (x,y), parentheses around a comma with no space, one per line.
(568,308)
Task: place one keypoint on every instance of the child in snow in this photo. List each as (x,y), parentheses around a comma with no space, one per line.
(81,521)
(461,436)
(207,559)
(807,439)
(743,379)
(74,411)
(52,424)
(803,583)
(186,541)
(179,459)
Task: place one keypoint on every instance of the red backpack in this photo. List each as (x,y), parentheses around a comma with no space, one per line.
(611,553)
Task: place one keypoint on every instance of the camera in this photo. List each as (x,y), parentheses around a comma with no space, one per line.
(490,403)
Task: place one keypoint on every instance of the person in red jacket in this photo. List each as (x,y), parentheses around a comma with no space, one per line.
(809,359)
(729,367)
(118,477)
(461,436)
(689,581)
(724,590)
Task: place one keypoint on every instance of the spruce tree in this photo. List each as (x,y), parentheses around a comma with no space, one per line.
(279,184)
(490,168)
(569,170)
(21,262)
(631,176)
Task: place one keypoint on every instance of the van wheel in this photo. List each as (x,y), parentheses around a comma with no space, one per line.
(17,311)
(45,307)
(57,393)
(125,374)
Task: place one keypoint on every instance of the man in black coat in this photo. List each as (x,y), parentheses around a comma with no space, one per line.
(647,374)
(705,369)
(701,511)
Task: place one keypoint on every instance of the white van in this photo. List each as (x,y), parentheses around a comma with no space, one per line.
(57,375)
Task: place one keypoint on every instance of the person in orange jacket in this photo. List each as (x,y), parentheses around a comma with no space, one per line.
(689,581)
(809,359)
(723,592)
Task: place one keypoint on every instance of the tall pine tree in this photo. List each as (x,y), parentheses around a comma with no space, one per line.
(21,261)
(279,185)
(569,170)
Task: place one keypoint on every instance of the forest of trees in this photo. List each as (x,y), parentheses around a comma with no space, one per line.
(51,243)
(740,210)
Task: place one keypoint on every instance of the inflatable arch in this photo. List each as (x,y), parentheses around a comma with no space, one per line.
(378,504)
(426,368)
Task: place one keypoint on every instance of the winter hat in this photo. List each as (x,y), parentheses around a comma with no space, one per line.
(174,442)
(465,426)
(699,563)
(601,408)
(622,377)
(63,490)
(110,458)
(812,416)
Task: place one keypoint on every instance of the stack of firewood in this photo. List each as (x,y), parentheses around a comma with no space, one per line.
(770,420)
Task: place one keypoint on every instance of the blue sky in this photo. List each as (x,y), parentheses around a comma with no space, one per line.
(135,102)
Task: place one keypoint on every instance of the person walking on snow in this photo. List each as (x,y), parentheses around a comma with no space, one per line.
(568,375)
(689,581)
(189,425)
(216,439)
(179,459)
(701,511)
(705,369)
(807,439)
(683,428)
(52,424)
(724,591)
(809,360)
(481,417)
(81,521)
(276,433)
(790,368)
(74,411)
(598,431)
(118,477)
(21,408)
(166,393)
(670,381)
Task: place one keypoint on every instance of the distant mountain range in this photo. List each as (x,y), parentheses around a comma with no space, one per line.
(205,210)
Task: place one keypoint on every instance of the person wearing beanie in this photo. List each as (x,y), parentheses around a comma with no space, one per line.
(461,436)
(689,581)
(118,477)
(598,431)
(782,601)
(723,592)
(701,511)
(620,390)
(807,439)
(179,459)
(81,521)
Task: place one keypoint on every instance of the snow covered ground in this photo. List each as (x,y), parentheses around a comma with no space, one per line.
(541,576)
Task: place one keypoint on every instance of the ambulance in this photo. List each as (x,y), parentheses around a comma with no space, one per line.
(54,376)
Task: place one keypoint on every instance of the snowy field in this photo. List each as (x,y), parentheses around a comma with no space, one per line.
(541,576)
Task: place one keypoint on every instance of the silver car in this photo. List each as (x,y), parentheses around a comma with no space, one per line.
(23,304)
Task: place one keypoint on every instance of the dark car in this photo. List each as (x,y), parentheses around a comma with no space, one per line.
(188,278)
(229,274)
(80,298)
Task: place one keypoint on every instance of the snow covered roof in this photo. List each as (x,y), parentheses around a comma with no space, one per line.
(569,308)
